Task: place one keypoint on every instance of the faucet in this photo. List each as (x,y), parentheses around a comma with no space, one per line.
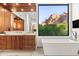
(75,35)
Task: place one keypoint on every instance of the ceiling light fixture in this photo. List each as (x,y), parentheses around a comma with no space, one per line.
(4,4)
(3,10)
(32,9)
(29,3)
(13,9)
(17,3)
(22,9)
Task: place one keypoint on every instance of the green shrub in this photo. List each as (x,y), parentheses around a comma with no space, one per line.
(52,30)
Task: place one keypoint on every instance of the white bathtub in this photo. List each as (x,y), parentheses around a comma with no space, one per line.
(60,47)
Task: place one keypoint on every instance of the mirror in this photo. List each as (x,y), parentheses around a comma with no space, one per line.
(17,23)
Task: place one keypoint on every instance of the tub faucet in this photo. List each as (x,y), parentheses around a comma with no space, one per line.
(75,35)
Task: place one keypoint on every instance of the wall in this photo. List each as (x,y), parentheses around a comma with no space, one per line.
(75,11)
(75,14)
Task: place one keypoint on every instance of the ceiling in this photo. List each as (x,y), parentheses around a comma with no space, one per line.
(19,7)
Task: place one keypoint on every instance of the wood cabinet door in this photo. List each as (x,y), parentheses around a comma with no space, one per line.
(9,42)
(0,42)
(21,42)
(1,19)
(25,42)
(13,42)
(7,20)
(16,42)
(29,42)
(4,43)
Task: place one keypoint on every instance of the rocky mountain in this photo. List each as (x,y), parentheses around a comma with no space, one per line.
(56,19)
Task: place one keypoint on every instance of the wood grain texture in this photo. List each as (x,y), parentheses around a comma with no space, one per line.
(26,42)
(25,6)
(5,19)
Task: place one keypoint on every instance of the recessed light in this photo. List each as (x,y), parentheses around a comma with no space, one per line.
(3,10)
(29,3)
(4,4)
(32,9)
(22,9)
(17,3)
(13,9)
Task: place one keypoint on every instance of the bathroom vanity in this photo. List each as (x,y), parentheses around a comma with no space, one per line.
(14,28)
(17,27)
(19,41)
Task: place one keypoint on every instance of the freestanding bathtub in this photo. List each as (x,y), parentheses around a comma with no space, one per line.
(60,47)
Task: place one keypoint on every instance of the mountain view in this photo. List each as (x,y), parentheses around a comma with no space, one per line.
(53,20)
(54,25)
(56,19)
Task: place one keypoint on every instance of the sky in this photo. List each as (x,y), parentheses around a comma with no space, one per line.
(46,11)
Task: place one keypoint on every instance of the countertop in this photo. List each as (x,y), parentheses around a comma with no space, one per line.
(17,33)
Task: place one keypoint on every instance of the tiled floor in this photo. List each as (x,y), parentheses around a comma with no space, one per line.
(37,52)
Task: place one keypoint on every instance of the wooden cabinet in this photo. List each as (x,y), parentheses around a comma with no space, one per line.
(21,38)
(13,40)
(3,42)
(8,41)
(1,19)
(0,43)
(26,42)
(29,42)
(5,19)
